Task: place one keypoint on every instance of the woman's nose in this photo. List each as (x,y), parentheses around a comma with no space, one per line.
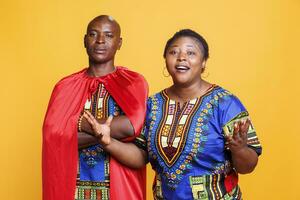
(181,56)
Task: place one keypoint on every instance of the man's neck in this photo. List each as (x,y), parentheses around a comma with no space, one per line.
(98,70)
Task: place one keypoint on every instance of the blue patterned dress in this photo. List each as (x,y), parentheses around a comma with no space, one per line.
(186,146)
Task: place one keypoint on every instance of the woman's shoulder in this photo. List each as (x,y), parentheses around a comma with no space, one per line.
(228,104)
(157,95)
(156,99)
(217,89)
(221,94)
(225,100)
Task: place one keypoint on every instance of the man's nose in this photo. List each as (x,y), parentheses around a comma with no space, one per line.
(100,39)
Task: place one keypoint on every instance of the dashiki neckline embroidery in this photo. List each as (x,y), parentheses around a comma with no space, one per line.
(172,131)
(175,148)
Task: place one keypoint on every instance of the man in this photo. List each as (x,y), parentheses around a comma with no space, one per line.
(104,90)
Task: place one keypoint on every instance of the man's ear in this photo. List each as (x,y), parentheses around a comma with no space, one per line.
(84,41)
(120,43)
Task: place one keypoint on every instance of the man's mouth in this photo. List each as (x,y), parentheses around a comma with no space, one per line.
(100,50)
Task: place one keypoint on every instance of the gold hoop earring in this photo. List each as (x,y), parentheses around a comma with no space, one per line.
(164,73)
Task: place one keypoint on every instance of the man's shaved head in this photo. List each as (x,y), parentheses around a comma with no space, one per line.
(102,39)
(106,18)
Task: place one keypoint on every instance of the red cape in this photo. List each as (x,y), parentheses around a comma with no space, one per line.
(60,146)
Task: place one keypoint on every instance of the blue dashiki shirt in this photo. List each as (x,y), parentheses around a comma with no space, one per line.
(186,146)
(93,163)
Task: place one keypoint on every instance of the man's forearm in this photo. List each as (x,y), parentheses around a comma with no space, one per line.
(86,140)
(120,127)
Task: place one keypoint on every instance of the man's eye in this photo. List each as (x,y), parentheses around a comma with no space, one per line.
(110,35)
(92,34)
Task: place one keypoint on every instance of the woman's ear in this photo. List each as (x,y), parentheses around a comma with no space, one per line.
(203,65)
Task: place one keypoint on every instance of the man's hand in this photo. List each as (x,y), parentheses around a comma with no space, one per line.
(101,131)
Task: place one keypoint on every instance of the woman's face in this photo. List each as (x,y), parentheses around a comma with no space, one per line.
(184,60)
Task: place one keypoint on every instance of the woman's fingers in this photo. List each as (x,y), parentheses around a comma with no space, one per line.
(93,122)
(236,130)
(88,118)
(244,128)
(109,120)
(240,130)
(101,131)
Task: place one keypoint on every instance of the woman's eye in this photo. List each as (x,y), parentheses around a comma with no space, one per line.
(172,52)
(190,53)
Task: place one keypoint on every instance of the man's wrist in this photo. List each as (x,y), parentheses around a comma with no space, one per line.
(79,123)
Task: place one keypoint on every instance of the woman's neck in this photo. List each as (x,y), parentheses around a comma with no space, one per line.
(183,94)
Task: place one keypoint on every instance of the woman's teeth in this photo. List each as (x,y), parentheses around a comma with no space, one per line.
(181,68)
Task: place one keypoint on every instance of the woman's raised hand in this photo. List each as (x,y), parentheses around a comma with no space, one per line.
(238,140)
(101,131)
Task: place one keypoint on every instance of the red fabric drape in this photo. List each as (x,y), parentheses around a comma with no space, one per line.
(231,181)
(60,145)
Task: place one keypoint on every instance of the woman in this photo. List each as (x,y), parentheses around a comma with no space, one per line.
(198,136)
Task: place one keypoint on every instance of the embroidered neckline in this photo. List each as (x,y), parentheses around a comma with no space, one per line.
(206,93)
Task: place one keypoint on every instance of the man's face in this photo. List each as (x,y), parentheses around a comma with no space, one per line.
(102,40)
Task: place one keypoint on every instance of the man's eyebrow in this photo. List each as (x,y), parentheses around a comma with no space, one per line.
(103,31)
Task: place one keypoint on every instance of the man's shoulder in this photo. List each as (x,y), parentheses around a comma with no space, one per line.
(72,77)
(129,71)
(133,75)
(70,80)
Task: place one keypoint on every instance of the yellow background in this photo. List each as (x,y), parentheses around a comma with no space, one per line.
(254,53)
